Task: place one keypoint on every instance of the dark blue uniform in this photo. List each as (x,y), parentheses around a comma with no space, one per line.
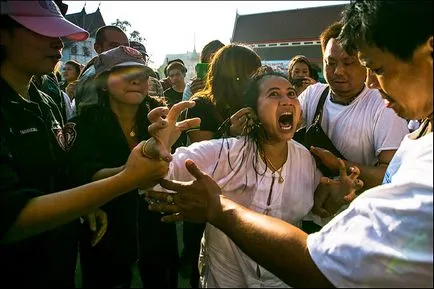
(32,153)
(97,142)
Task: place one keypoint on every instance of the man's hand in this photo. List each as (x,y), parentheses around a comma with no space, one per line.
(327,158)
(97,224)
(331,195)
(195,201)
(141,171)
(166,130)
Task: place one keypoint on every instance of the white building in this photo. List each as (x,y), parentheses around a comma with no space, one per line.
(82,51)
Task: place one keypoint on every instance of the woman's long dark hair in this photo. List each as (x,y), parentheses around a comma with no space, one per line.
(254,131)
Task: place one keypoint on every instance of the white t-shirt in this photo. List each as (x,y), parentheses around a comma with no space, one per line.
(360,130)
(385,237)
(225,265)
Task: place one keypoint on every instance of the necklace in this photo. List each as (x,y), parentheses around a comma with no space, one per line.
(279,171)
(132,133)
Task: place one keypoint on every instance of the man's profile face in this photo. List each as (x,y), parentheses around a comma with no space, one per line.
(406,86)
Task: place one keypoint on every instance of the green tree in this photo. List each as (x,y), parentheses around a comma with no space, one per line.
(135,36)
(122,24)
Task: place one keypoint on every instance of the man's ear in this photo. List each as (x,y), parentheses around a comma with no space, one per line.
(97,47)
(431,45)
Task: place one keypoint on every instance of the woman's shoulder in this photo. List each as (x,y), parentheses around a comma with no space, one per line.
(202,100)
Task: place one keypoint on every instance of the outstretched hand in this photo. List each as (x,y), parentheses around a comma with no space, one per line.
(165,129)
(331,195)
(327,158)
(194,201)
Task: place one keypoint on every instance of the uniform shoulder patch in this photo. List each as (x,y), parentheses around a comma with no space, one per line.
(70,134)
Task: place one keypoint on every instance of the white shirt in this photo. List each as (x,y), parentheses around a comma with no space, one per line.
(385,237)
(225,265)
(360,130)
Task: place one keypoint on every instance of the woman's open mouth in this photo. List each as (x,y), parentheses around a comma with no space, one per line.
(286,121)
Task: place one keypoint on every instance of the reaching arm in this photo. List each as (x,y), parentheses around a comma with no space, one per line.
(49,211)
(46,212)
(278,246)
(371,176)
(105,173)
(273,243)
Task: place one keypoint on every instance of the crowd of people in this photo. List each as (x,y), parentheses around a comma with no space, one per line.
(280,180)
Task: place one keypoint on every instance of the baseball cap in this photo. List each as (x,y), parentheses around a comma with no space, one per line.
(44,18)
(170,62)
(139,46)
(121,56)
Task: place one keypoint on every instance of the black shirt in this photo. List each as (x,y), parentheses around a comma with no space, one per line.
(97,142)
(32,157)
(172,96)
(207,112)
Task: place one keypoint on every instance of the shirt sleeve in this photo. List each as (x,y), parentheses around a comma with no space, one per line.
(187,92)
(390,136)
(204,110)
(205,154)
(384,239)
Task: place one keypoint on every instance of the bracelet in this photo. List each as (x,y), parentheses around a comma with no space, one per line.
(144,152)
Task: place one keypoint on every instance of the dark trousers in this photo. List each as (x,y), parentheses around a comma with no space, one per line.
(191,236)
(100,267)
(158,250)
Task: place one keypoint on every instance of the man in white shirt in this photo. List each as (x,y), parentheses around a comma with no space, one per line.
(384,238)
(354,117)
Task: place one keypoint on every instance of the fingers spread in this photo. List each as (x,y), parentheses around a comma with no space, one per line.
(158,113)
(194,170)
(358,184)
(154,127)
(326,181)
(355,172)
(188,123)
(164,208)
(177,108)
(172,218)
(157,196)
(173,185)
(342,169)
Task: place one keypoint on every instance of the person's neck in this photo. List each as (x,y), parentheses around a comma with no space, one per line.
(126,115)
(275,152)
(19,81)
(344,99)
(179,88)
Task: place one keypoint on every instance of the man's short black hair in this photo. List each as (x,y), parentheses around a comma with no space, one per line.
(396,26)
(171,61)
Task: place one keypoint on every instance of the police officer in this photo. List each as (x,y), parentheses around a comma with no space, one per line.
(37,236)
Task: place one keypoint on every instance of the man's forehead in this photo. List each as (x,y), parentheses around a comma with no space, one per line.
(174,71)
(335,50)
